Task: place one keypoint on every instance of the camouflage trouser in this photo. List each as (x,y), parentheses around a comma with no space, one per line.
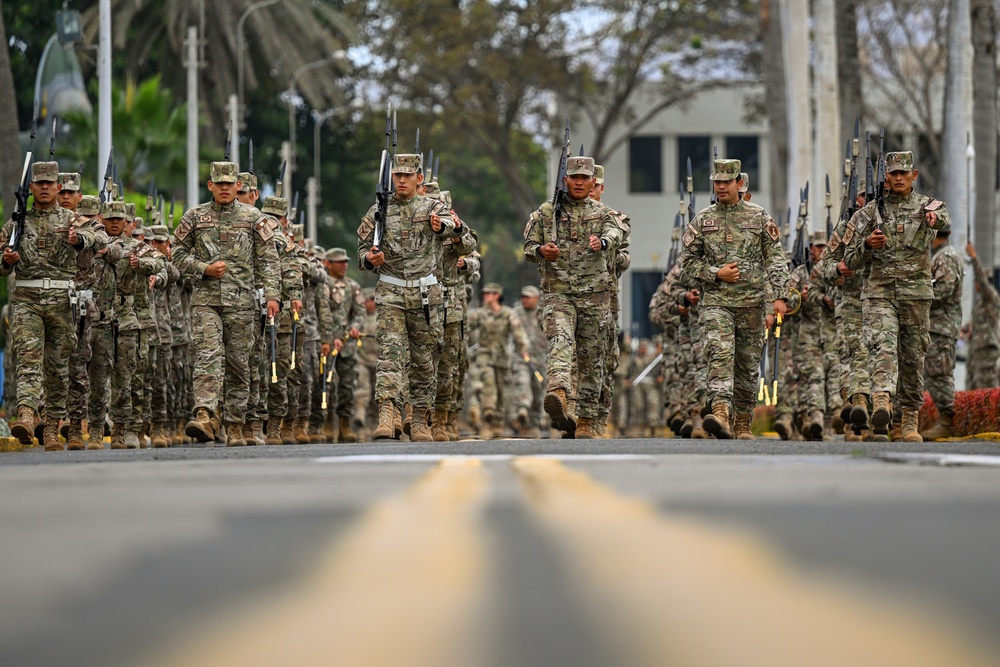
(280,399)
(346,379)
(123,377)
(140,382)
(221,338)
(611,356)
(159,385)
(300,392)
(734,342)
(79,375)
(812,374)
(102,363)
(983,368)
(260,374)
(645,402)
(10,377)
(854,377)
(788,373)
(898,336)
(494,396)
(363,395)
(407,332)
(939,371)
(449,379)
(576,328)
(619,406)
(526,392)
(458,391)
(45,338)
(183,370)
(317,415)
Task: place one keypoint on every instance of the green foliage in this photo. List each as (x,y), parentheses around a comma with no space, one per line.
(29,26)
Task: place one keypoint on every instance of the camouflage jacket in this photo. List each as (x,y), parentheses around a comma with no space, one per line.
(237,234)
(178,298)
(132,282)
(743,233)
(105,285)
(452,278)
(578,269)
(493,331)
(144,299)
(368,352)
(902,269)
(946,281)
(834,254)
(538,345)
(45,252)
(348,306)
(662,307)
(87,265)
(161,304)
(313,277)
(985,310)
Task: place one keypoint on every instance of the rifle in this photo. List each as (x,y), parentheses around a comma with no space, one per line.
(430,169)
(777,348)
(279,188)
(829,205)
(52,139)
(250,158)
(109,185)
(437,166)
(539,378)
(171,213)
(274,349)
(416,144)
(561,191)
(23,189)
(229,141)
(880,188)
(322,377)
(295,336)
(676,233)
(763,396)
(150,196)
(383,189)
(851,172)
(715,156)
(642,376)
(869,171)
(690,191)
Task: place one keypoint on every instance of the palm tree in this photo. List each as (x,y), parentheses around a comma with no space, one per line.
(279,39)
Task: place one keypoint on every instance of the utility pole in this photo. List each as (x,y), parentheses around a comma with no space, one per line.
(192,116)
(103,89)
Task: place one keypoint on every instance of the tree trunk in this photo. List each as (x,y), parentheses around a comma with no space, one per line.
(777,114)
(795,27)
(828,152)
(11,157)
(984,110)
(848,67)
(954,183)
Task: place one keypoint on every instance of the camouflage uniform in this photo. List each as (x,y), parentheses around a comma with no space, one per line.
(576,298)
(645,399)
(224,311)
(159,377)
(527,392)
(732,314)
(896,295)
(945,322)
(408,297)
(348,304)
(367,360)
(41,316)
(985,343)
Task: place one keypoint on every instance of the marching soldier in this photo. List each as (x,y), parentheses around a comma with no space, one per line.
(225,247)
(367,360)
(41,312)
(348,303)
(408,297)
(985,335)
(527,391)
(730,249)
(893,241)
(945,322)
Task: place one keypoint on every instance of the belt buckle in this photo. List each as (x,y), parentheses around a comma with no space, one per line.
(45,283)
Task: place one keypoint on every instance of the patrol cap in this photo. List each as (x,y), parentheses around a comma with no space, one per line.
(114,209)
(139,230)
(89,205)
(899,161)
(311,247)
(248,181)
(818,238)
(530,291)
(745,177)
(276,206)
(336,255)
(726,170)
(495,288)
(44,171)
(406,163)
(599,173)
(445,198)
(580,164)
(224,172)
(159,233)
(432,189)
(298,232)
(70,181)
(130,212)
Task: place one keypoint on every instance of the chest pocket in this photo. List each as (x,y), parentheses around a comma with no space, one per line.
(52,246)
(236,240)
(916,233)
(395,226)
(206,240)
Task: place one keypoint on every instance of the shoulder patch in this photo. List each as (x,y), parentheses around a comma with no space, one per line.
(182,229)
(688,237)
(366,228)
(772,229)
(264,230)
(833,243)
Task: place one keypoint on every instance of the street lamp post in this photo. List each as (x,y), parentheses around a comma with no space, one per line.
(336,56)
(237,111)
(312,185)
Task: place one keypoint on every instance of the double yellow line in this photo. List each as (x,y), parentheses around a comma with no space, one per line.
(411,584)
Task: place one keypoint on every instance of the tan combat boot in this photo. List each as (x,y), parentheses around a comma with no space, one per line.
(273,436)
(158,436)
(584,428)
(386,416)
(556,407)
(943,428)
(300,427)
(23,428)
(95,439)
(287,432)
(318,435)
(419,430)
(408,420)
(911,418)
(117,437)
(741,426)
(234,435)
(51,437)
(397,421)
(698,431)
(881,412)
(74,441)
(131,439)
(344,432)
(256,433)
(783,426)
(201,428)
(717,422)
(601,427)
(814,426)
(475,417)
(453,426)
(439,426)
(837,421)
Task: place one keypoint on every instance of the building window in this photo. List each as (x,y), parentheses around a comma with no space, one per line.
(699,150)
(745,149)
(644,285)
(645,164)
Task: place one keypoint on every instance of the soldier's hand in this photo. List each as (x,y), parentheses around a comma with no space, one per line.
(693,297)
(932,218)
(550,251)
(72,237)
(103,251)
(273,309)
(970,250)
(354,333)
(324,349)
(804,292)
(215,269)
(843,270)
(595,243)
(728,273)
(152,282)
(768,320)
(296,305)
(375,257)
(683,310)
(461,263)
(133,261)
(780,307)
(436,223)
(338,344)
(876,240)
(10,258)
(840,281)
(829,302)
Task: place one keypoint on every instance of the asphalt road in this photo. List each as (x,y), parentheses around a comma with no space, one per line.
(620,552)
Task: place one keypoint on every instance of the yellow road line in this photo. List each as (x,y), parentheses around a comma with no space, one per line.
(679,592)
(404,587)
